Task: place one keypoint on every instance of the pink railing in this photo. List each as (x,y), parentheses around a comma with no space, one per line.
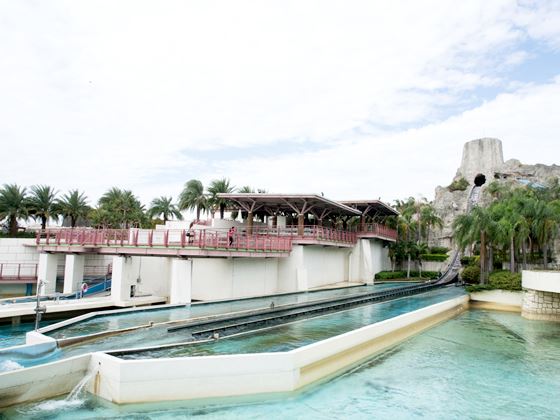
(379,230)
(11,272)
(204,239)
(313,232)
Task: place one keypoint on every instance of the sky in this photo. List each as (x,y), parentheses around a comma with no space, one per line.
(353,99)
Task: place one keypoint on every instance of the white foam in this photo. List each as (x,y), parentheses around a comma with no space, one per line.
(9,365)
(53,405)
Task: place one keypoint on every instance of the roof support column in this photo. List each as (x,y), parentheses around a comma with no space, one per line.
(250,223)
(300,224)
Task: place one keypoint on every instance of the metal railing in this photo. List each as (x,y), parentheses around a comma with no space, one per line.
(312,232)
(18,272)
(203,239)
(378,230)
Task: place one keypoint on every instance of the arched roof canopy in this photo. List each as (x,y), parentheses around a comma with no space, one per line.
(373,208)
(319,206)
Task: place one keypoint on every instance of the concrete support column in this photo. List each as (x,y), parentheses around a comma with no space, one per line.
(73,273)
(46,271)
(274,220)
(181,281)
(300,224)
(123,281)
(250,223)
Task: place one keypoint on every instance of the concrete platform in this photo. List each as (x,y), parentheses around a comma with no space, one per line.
(71,307)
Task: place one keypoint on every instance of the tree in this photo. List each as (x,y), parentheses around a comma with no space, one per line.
(73,205)
(429,219)
(42,204)
(472,227)
(220,186)
(420,249)
(545,225)
(121,209)
(193,197)
(13,206)
(164,206)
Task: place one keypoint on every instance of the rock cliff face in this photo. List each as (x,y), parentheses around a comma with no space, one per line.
(483,162)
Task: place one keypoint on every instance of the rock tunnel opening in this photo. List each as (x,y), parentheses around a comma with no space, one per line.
(479,180)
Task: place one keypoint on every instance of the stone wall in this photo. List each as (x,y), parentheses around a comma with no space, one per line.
(541,305)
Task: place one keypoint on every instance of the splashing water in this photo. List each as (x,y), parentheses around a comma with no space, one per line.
(75,393)
(73,400)
(9,365)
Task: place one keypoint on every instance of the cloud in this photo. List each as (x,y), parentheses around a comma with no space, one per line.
(146,95)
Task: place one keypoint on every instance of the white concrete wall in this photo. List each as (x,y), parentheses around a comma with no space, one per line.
(498,298)
(379,256)
(325,265)
(43,381)
(151,380)
(544,281)
(225,278)
(154,276)
(292,275)
(14,250)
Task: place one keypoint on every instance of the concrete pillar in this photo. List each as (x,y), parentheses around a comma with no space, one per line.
(125,273)
(274,221)
(181,281)
(46,271)
(73,273)
(300,224)
(250,223)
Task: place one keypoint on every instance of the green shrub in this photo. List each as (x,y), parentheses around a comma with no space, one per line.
(465,261)
(472,288)
(505,280)
(392,275)
(471,274)
(433,257)
(460,184)
(439,250)
(19,235)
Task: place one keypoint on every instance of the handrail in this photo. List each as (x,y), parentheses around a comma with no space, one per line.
(173,238)
(18,272)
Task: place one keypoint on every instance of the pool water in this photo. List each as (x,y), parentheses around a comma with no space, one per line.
(280,338)
(132,319)
(480,364)
(14,335)
(307,331)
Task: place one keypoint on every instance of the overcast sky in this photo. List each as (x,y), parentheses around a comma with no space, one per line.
(356,99)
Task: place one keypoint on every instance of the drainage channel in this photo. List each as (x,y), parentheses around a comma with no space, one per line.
(276,316)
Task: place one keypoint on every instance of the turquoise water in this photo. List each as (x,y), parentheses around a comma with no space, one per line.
(15,335)
(137,318)
(479,365)
(300,333)
(277,339)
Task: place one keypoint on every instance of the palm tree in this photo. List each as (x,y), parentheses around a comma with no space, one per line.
(73,205)
(429,219)
(13,206)
(123,207)
(420,249)
(220,186)
(42,204)
(472,227)
(165,207)
(192,197)
(545,225)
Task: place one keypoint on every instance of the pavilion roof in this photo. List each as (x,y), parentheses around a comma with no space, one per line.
(315,204)
(371,207)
